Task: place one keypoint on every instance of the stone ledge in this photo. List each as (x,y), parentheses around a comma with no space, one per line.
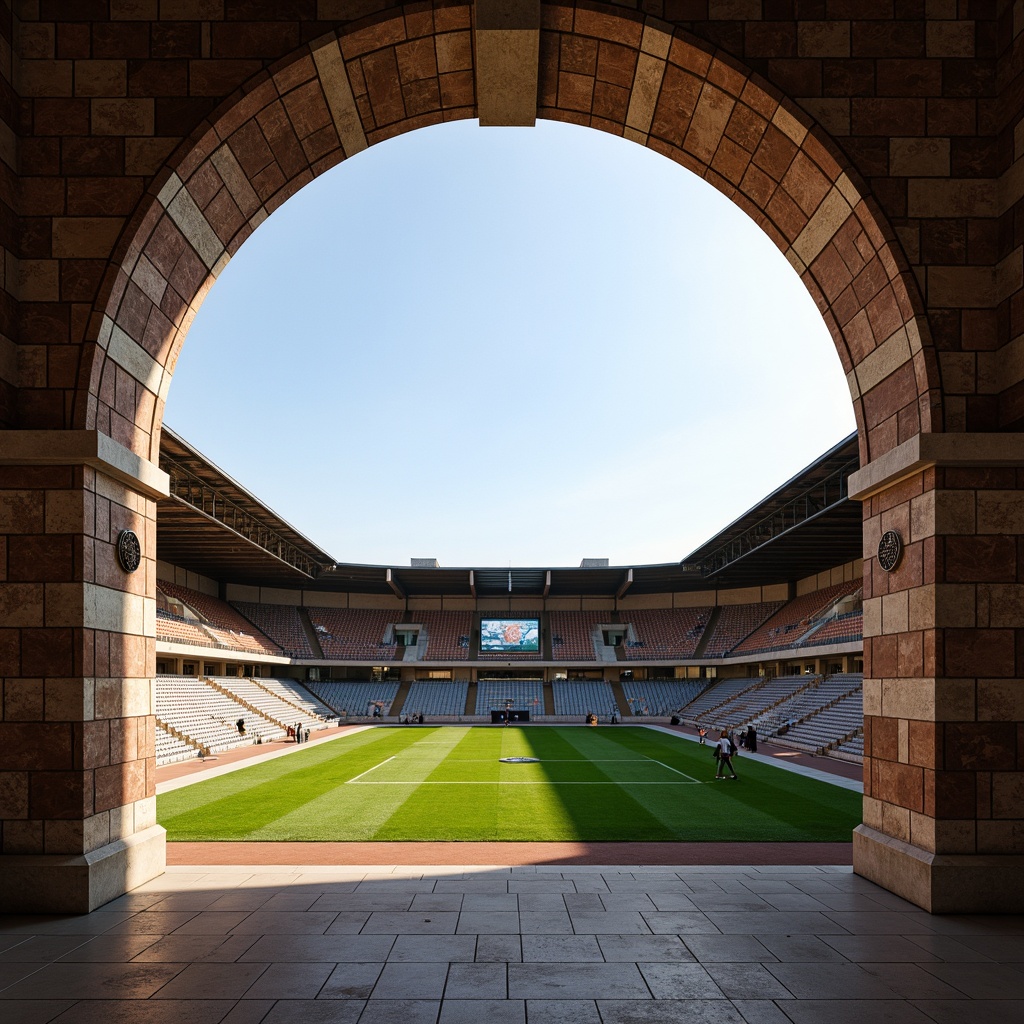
(922,451)
(940,883)
(78,884)
(83,447)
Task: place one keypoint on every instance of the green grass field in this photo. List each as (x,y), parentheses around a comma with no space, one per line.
(596,784)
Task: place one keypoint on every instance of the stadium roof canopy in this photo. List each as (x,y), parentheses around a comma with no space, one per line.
(212,525)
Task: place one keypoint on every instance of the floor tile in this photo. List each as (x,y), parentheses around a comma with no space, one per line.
(575,981)
(541,903)
(388,923)
(411,981)
(196,948)
(680,981)
(878,948)
(747,981)
(759,1011)
(34,1011)
(488,923)
(562,1011)
(794,949)
(909,981)
(351,981)
(980,981)
(667,1011)
(859,1011)
(477,1011)
(320,949)
(264,922)
(365,901)
(423,902)
(646,948)
(962,1011)
(882,922)
(478,903)
(542,885)
(621,922)
(788,923)
(505,949)
(829,981)
(476,981)
(44,948)
(110,948)
(93,981)
(561,949)
(679,923)
(290,981)
(398,1011)
(147,1011)
(427,948)
(545,923)
(211,981)
(309,1011)
(727,949)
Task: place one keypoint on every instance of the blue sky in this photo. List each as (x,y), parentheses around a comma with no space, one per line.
(509,346)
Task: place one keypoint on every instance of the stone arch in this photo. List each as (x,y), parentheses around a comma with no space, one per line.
(601,67)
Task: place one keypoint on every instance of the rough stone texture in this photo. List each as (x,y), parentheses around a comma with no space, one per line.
(877,143)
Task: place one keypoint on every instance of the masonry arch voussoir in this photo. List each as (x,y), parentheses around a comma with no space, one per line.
(599,66)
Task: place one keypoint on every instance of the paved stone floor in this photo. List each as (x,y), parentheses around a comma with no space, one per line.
(512,945)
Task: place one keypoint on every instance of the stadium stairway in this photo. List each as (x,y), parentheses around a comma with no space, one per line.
(399,702)
(625,711)
(199,748)
(314,640)
(549,700)
(709,632)
(245,704)
(470,699)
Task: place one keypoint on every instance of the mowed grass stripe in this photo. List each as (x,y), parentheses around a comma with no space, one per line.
(234,806)
(754,806)
(308,795)
(357,812)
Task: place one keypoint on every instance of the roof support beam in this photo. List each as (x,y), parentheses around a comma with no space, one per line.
(547,582)
(627,582)
(472,583)
(507,44)
(395,586)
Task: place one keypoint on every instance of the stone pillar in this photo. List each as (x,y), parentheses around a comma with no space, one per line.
(943,663)
(77,657)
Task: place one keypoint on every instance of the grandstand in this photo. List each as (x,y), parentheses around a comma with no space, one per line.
(661,696)
(436,699)
(666,633)
(583,697)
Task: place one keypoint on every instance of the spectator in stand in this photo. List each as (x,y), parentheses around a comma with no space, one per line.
(723,753)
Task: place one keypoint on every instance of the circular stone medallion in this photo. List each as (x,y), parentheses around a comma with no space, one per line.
(129,550)
(890,548)
(519,760)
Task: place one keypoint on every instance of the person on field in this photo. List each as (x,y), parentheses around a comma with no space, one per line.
(702,735)
(724,752)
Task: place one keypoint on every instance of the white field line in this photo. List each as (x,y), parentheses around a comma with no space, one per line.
(539,782)
(676,770)
(368,770)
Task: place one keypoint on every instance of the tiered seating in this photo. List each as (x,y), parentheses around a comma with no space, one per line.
(280,622)
(572,635)
(436,698)
(665,634)
(207,716)
(827,727)
(852,749)
(182,631)
(448,635)
(807,702)
(525,694)
(735,623)
(354,698)
(295,693)
(746,707)
(223,622)
(270,704)
(844,629)
(717,694)
(786,627)
(354,634)
(171,748)
(661,696)
(580,697)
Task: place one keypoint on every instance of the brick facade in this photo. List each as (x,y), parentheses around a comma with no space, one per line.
(876,142)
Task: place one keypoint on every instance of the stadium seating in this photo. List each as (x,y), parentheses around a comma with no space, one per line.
(525,694)
(663,634)
(354,634)
(848,628)
(448,634)
(751,704)
(435,698)
(812,698)
(171,748)
(661,696)
(354,699)
(573,635)
(786,628)
(735,623)
(178,630)
(828,727)
(297,694)
(715,696)
(282,624)
(224,623)
(207,716)
(581,697)
(270,705)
